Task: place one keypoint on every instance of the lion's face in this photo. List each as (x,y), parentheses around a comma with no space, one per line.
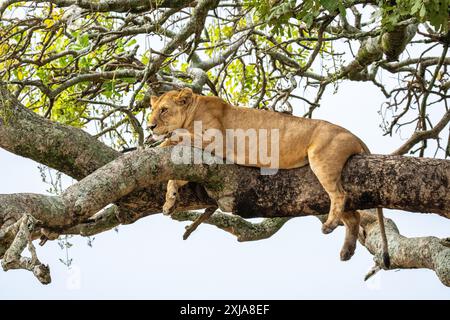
(169,111)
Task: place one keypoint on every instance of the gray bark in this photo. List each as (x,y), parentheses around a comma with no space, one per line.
(135,184)
(133,6)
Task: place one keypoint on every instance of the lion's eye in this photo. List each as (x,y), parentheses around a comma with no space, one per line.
(163,110)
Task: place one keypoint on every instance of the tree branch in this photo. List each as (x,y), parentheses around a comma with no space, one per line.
(67,149)
(237,226)
(132,6)
(423,135)
(131,181)
(406,253)
(370,181)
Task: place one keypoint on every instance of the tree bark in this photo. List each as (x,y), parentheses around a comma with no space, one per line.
(396,182)
(135,184)
(77,154)
(133,6)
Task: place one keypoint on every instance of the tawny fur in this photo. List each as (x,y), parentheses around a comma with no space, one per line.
(324,146)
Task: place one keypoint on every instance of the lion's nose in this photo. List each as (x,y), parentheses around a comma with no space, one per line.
(152,126)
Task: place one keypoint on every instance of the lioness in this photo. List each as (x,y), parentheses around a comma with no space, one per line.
(324,146)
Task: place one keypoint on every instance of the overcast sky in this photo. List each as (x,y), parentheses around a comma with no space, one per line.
(150,260)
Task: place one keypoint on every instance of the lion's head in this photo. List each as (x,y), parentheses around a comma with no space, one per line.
(169,111)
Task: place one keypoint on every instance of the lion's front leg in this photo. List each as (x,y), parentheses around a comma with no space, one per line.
(172,195)
(172,185)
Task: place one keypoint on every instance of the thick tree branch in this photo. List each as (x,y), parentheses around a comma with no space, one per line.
(406,253)
(118,190)
(67,149)
(133,6)
(12,259)
(370,181)
(413,184)
(391,43)
(77,154)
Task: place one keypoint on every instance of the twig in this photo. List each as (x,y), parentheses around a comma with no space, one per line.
(204,217)
(372,272)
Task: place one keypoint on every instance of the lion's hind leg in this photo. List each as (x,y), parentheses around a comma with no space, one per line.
(327,159)
(329,177)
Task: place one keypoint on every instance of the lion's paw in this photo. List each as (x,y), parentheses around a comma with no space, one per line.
(347,253)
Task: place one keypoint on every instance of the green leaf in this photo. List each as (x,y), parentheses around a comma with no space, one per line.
(416,7)
(129,80)
(330,5)
(83,40)
(19,74)
(423,11)
(131,42)
(84,62)
(227,31)
(342,9)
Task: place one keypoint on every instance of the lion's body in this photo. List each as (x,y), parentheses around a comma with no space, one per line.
(324,146)
(297,136)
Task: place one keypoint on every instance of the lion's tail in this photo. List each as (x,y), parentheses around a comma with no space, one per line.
(386,258)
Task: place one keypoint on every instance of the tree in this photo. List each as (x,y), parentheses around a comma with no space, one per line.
(68,67)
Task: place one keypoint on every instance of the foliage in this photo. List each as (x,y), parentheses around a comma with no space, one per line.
(97,70)
(436,12)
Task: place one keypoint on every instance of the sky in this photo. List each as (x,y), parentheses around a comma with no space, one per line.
(149,259)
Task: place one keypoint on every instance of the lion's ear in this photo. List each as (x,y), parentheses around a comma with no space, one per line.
(153,100)
(184,97)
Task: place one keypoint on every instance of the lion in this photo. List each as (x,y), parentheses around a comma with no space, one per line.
(326,147)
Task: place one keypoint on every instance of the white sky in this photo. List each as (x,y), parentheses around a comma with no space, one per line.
(150,260)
